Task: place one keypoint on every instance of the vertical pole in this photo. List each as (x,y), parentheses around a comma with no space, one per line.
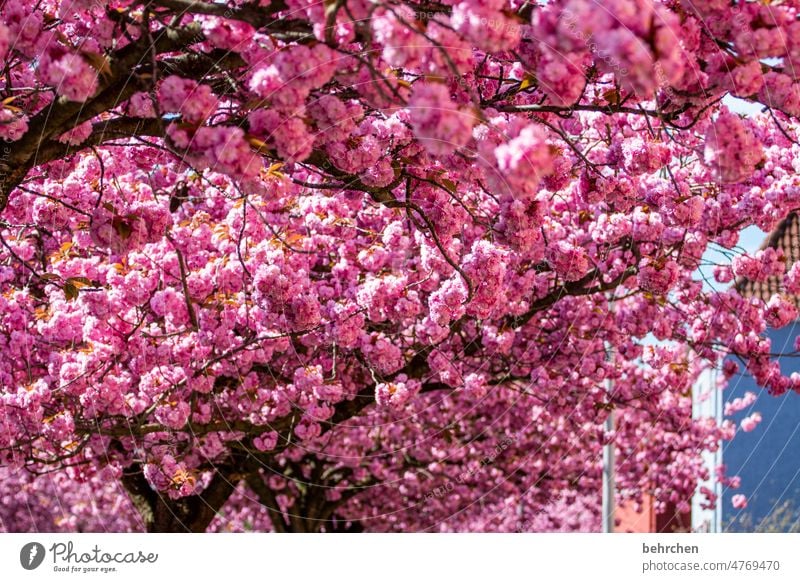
(608,474)
(609,486)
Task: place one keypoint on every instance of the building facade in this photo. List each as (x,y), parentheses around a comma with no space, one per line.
(766,459)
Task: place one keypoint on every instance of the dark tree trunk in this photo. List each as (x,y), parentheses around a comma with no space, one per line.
(190,514)
(310,513)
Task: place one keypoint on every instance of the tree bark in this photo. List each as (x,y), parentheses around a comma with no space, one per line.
(191,514)
(310,513)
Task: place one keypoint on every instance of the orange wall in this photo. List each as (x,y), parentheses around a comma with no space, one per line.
(628,520)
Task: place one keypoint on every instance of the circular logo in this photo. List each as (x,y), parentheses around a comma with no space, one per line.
(31,555)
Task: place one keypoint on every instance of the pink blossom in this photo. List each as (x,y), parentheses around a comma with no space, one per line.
(78,134)
(731,150)
(12,124)
(69,73)
(394,395)
(764,264)
(749,423)
(485,25)
(740,403)
(658,277)
(780,311)
(195,102)
(439,123)
(343,267)
(5,40)
(739,501)
(266,441)
(569,261)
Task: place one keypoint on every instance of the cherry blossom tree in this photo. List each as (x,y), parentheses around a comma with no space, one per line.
(389,266)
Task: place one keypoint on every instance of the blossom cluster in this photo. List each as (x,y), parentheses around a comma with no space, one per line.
(348,266)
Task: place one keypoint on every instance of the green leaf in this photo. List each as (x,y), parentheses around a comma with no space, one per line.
(70,291)
(79,282)
(122,227)
(612,96)
(450,185)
